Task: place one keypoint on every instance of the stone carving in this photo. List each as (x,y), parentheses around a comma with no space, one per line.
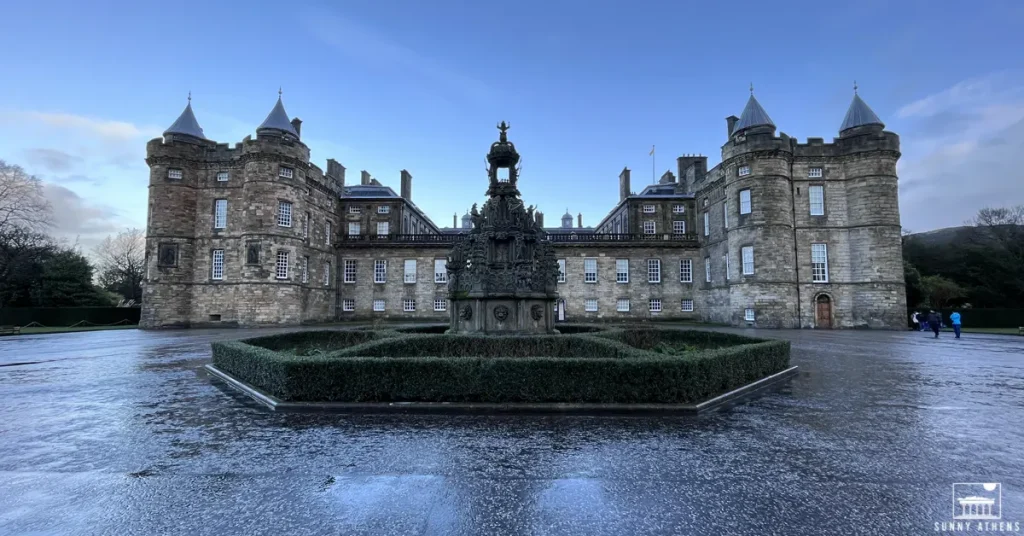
(252,252)
(168,255)
(537,312)
(466,313)
(501,313)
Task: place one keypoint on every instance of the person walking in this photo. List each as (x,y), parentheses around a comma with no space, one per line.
(935,322)
(955,320)
(915,321)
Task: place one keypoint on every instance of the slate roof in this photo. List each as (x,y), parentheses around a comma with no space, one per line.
(753,116)
(859,114)
(278,120)
(186,124)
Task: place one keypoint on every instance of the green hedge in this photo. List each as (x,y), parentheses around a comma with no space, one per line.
(67,316)
(576,368)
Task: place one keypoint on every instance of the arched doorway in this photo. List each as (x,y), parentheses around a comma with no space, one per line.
(823,311)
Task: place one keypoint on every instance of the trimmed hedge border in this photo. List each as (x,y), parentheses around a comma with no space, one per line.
(609,366)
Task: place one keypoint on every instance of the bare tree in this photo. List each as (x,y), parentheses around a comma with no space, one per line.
(1003,228)
(22,204)
(121,262)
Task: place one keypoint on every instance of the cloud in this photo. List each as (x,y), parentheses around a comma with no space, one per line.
(111,130)
(52,160)
(375,49)
(75,218)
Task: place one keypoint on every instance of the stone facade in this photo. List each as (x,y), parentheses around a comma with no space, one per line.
(781,204)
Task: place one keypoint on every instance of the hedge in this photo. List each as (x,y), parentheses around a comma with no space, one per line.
(574,368)
(67,316)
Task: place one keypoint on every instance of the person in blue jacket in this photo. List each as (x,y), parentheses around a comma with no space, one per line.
(955,320)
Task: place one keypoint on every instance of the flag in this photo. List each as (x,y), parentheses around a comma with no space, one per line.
(652,151)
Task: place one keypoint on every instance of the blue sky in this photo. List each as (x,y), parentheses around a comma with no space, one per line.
(588,87)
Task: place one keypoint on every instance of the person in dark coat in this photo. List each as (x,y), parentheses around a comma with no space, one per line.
(935,322)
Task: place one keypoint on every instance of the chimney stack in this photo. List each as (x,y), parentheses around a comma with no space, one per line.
(455,220)
(406,186)
(297,125)
(731,122)
(539,216)
(336,172)
(579,220)
(624,184)
(364,178)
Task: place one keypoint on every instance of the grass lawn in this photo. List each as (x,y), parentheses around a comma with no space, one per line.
(31,331)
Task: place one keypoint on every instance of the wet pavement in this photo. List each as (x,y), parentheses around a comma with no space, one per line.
(122,432)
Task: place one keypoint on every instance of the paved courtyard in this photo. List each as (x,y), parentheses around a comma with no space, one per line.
(122,432)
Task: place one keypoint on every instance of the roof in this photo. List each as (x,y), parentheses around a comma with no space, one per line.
(753,116)
(186,124)
(859,114)
(278,120)
(368,191)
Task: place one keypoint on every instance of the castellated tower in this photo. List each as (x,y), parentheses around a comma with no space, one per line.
(239,236)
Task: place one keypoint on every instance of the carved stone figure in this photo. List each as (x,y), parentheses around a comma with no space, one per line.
(537,312)
(501,313)
(466,312)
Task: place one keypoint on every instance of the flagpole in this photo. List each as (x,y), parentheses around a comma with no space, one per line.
(653,157)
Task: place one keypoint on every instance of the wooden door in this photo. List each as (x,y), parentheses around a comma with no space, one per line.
(823,313)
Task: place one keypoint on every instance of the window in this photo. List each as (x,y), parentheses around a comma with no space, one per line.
(622,270)
(348,304)
(590,270)
(748,315)
(679,227)
(707,269)
(217,265)
(410,271)
(350,271)
(220,213)
(678,209)
(408,305)
(382,228)
(685,271)
(705,202)
(380,271)
(648,209)
(817,195)
(327,273)
(355,210)
(174,174)
(707,225)
(744,201)
(305,226)
(222,176)
(814,172)
(654,270)
(281,268)
(725,261)
(655,305)
(384,209)
(590,305)
(440,304)
(561,270)
(686,306)
(743,171)
(747,256)
(378,305)
(285,172)
(440,270)
(353,229)
(328,229)
(622,305)
(649,227)
(284,214)
(819,263)
(305,269)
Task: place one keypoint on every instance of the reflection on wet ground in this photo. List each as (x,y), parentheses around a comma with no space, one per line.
(122,432)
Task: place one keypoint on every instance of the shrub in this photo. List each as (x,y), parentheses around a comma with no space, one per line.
(613,366)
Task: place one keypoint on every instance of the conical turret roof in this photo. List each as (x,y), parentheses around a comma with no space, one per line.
(753,116)
(278,120)
(186,124)
(859,114)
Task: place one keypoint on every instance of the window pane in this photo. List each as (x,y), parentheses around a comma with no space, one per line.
(817,200)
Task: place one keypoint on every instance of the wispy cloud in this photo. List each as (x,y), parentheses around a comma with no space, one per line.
(53,160)
(961,146)
(102,128)
(78,219)
(362,43)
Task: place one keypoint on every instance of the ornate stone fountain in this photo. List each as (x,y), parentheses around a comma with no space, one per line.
(503,275)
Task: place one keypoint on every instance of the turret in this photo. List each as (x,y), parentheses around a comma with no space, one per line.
(566,220)
(753,119)
(859,118)
(185,127)
(277,122)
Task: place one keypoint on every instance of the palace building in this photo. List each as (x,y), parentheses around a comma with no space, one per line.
(779,234)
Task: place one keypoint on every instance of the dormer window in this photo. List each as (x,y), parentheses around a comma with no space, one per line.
(384,209)
(743,171)
(286,172)
(648,209)
(174,174)
(355,210)
(814,173)
(222,176)
(678,209)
